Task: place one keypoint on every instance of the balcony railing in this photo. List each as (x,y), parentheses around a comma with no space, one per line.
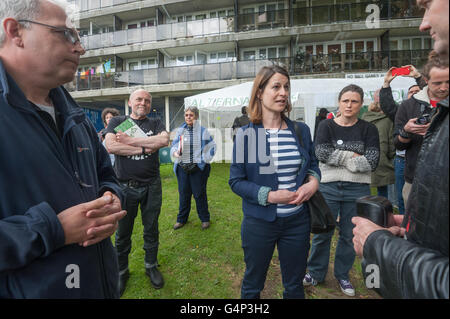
(161,32)
(301,64)
(389,9)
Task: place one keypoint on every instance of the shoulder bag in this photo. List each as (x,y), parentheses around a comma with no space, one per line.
(322,220)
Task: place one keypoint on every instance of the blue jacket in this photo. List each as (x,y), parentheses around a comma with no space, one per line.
(202,156)
(40,176)
(248,177)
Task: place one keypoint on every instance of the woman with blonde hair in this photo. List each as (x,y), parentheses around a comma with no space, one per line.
(275,171)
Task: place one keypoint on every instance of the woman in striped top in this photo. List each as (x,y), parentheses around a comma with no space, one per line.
(193,149)
(275,176)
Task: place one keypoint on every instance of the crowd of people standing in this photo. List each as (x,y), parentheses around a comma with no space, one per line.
(75,200)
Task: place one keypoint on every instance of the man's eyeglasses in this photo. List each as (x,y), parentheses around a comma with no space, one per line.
(71,35)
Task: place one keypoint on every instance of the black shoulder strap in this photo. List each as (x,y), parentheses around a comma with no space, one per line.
(299,133)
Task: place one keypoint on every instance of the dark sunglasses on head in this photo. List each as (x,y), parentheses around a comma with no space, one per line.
(71,35)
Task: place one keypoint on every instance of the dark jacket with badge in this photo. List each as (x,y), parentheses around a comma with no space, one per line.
(42,174)
(419,267)
(414,107)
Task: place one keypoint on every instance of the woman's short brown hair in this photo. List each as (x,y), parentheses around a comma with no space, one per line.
(259,84)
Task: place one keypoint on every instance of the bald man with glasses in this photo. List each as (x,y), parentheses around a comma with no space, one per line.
(60,200)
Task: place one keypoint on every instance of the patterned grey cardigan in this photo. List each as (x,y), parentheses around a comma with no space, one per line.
(336,145)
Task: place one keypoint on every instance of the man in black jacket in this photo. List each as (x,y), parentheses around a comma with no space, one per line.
(417,267)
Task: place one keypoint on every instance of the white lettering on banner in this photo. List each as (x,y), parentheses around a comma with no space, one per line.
(373,278)
(373,19)
(73,279)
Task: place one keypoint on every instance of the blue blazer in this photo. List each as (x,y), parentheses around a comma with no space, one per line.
(249,176)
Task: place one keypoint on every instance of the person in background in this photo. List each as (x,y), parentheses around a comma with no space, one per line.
(193,149)
(417,267)
(390,107)
(384,176)
(240,121)
(387,102)
(274,193)
(107,114)
(323,112)
(137,168)
(59,198)
(348,150)
(408,133)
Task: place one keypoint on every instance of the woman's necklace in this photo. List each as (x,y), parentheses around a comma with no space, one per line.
(268,129)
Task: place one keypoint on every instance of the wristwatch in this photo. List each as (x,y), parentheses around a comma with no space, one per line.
(404,134)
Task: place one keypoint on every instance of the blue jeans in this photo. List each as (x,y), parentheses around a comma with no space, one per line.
(399,166)
(193,184)
(340,197)
(291,236)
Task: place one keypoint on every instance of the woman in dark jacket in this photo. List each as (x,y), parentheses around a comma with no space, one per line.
(193,149)
(275,176)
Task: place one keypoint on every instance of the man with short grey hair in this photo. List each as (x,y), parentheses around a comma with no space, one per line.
(59,198)
(137,168)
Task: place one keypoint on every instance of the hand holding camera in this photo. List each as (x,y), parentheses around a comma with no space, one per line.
(413,126)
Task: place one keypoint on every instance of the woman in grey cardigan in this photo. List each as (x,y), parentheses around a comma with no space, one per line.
(348,151)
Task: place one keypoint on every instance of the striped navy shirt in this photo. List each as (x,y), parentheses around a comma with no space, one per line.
(287,161)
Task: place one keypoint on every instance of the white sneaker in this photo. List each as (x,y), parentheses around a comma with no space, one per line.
(346,287)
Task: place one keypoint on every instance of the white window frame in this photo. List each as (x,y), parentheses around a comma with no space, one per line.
(266,48)
(422,44)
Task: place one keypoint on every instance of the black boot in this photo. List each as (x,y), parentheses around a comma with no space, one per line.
(156,277)
(123,278)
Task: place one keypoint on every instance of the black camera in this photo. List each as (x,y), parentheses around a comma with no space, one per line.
(375,209)
(424,119)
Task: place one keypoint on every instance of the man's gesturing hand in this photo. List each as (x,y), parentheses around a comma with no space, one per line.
(91,222)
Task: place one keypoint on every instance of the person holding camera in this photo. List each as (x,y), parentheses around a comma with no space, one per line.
(414,116)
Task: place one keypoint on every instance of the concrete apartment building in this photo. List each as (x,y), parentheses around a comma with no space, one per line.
(179,48)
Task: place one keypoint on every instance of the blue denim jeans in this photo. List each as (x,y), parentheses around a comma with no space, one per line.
(340,197)
(399,166)
(291,236)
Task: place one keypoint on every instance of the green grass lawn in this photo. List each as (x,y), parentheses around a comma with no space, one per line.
(208,264)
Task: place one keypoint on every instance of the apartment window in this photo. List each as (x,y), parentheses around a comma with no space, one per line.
(133,66)
(200,17)
(262,54)
(188,18)
(417,43)
(249,55)
(218,57)
(212,15)
(272,53)
(132,26)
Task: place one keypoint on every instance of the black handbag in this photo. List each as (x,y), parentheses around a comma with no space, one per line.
(322,220)
(189,168)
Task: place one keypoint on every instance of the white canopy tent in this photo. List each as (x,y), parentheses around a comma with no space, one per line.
(219,108)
